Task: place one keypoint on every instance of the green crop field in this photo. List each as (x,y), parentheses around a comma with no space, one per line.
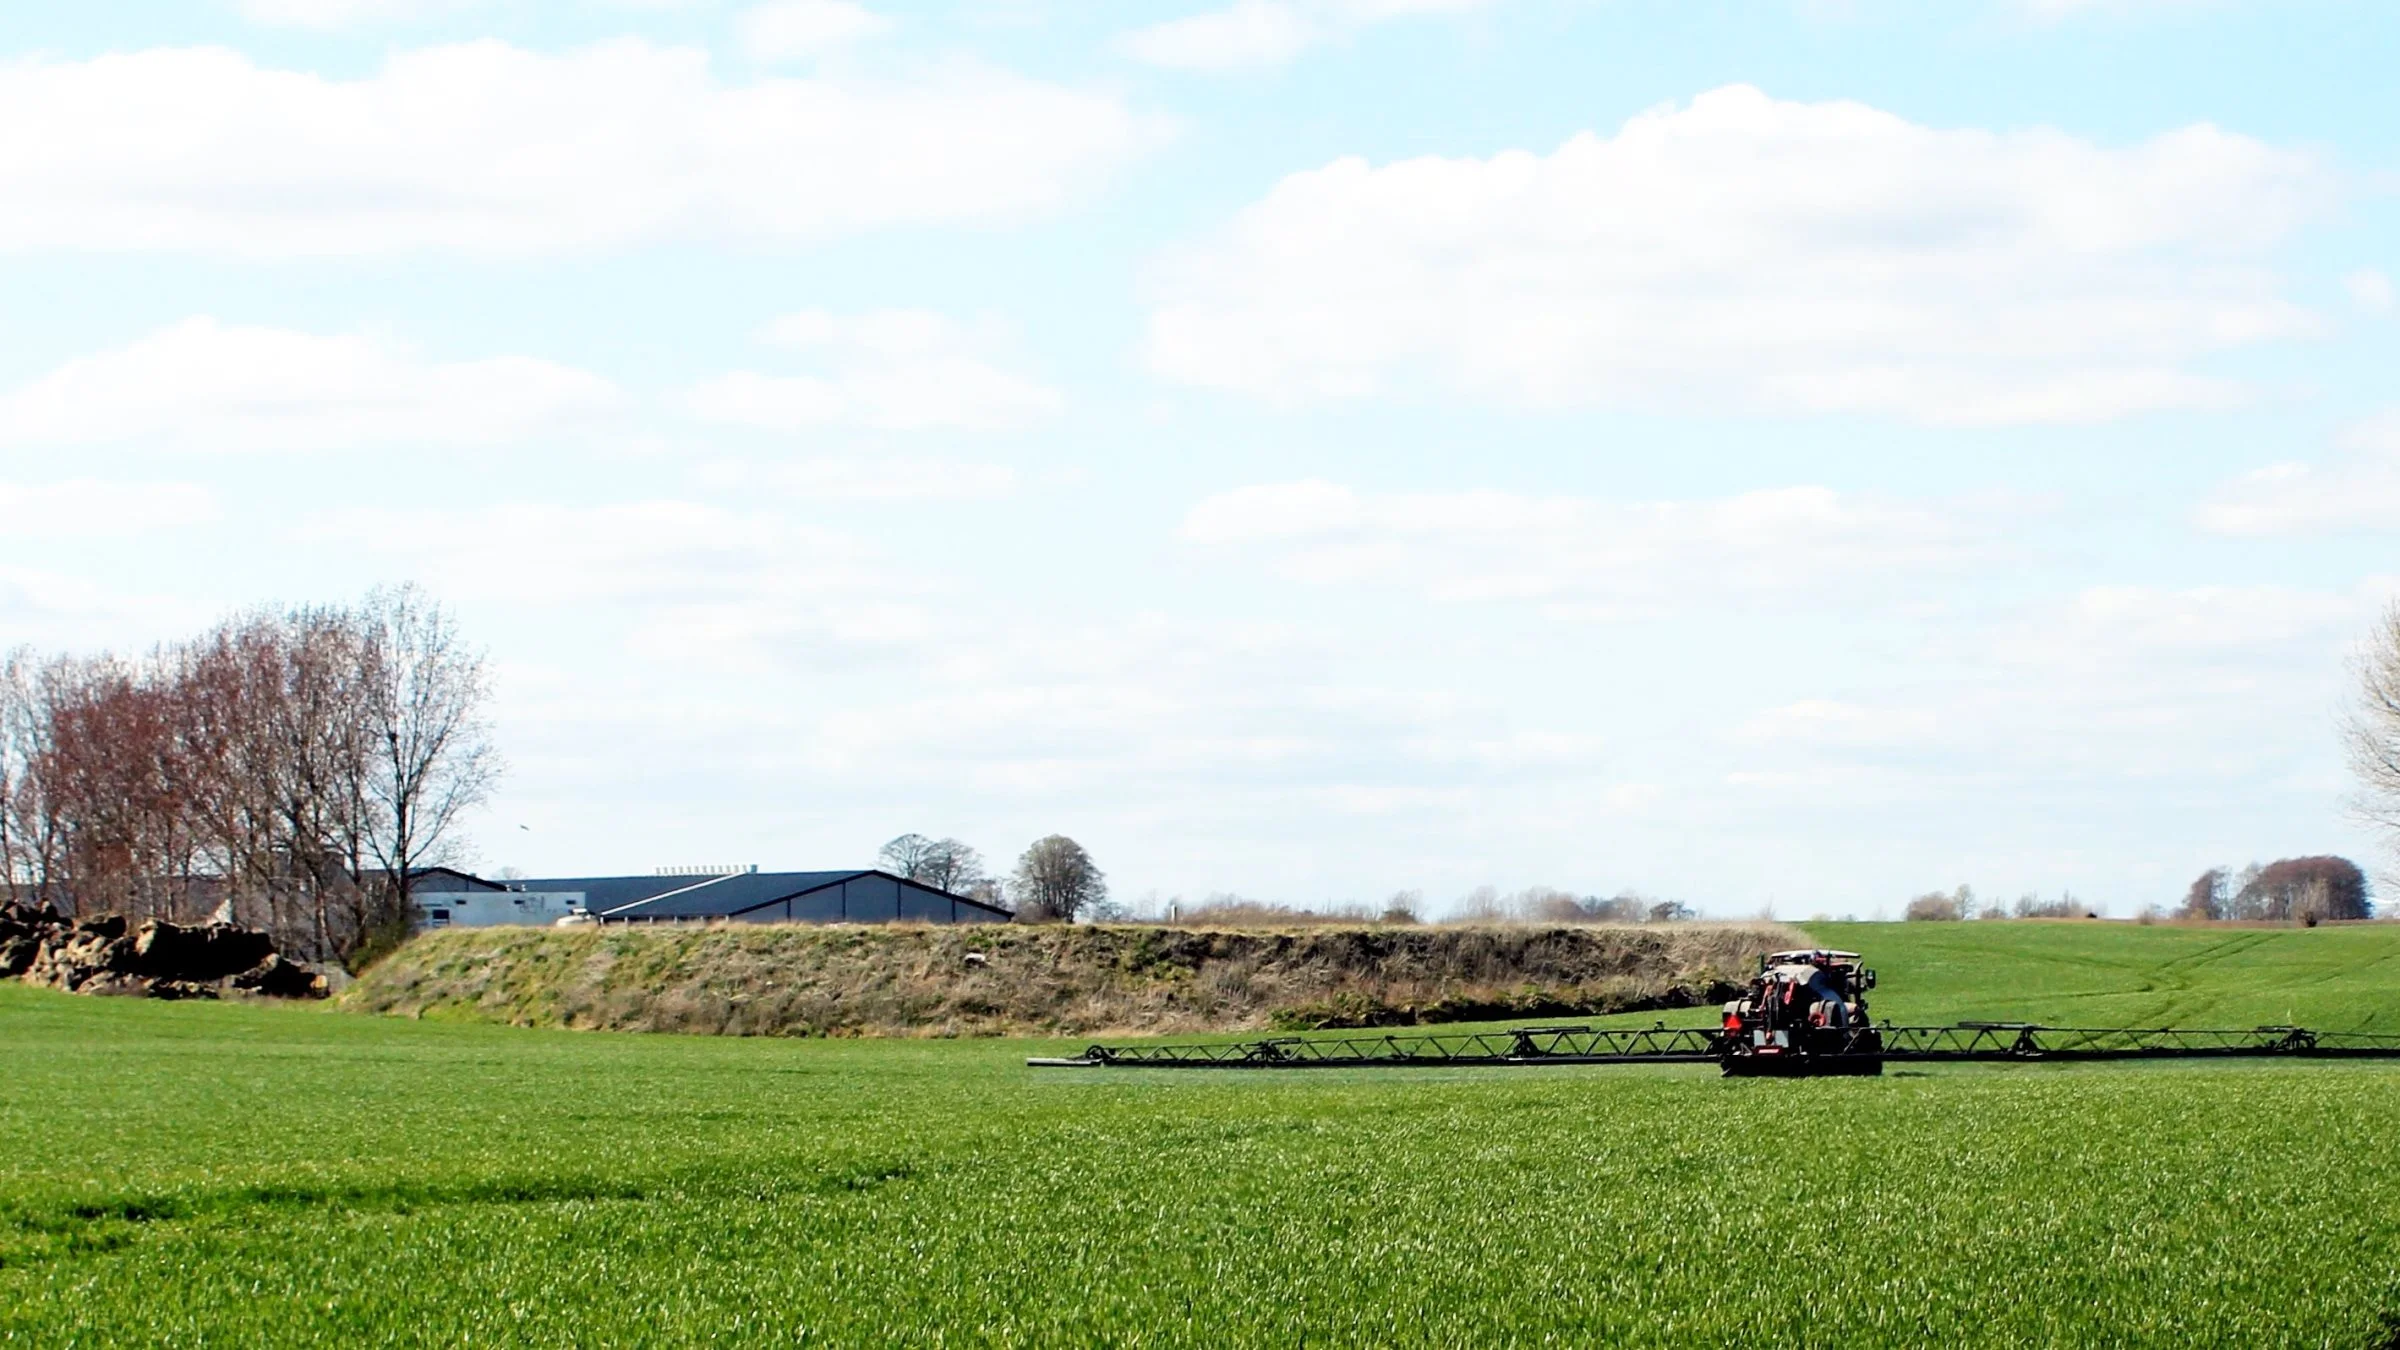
(219,1174)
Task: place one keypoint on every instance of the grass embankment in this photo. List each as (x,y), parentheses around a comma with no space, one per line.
(229,1174)
(905,980)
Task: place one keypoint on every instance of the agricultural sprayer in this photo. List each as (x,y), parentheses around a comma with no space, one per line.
(1804,1014)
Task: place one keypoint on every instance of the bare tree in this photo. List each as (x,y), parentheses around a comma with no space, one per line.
(1629,907)
(117,775)
(954,867)
(1935,906)
(277,708)
(944,864)
(2312,902)
(1959,904)
(2206,898)
(1543,904)
(1481,905)
(1056,879)
(1226,909)
(432,751)
(29,823)
(2247,901)
(2031,905)
(286,768)
(2372,729)
(905,854)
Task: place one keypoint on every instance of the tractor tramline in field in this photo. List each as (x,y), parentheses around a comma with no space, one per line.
(1804,1014)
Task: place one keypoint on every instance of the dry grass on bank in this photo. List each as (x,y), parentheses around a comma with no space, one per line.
(808,980)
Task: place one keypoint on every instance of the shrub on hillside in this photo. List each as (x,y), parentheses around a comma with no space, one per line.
(1233,911)
(2066,906)
(1936,907)
(1962,904)
(1546,904)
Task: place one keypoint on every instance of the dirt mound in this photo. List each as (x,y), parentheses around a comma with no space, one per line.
(743,979)
(156,960)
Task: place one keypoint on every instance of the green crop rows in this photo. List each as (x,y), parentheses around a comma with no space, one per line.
(239,1175)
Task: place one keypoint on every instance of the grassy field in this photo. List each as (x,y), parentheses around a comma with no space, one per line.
(237,1174)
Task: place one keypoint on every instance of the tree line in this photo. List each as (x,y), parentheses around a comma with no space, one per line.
(2303,890)
(1483,905)
(286,769)
(1055,880)
(1962,903)
(1547,904)
(2298,890)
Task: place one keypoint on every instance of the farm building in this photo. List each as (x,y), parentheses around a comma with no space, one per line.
(448,898)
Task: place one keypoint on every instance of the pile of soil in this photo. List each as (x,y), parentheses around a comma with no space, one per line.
(155,960)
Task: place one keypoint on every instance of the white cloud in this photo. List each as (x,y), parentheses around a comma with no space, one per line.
(1090,708)
(1516,752)
(885,332)
(894,370)
(667,588)
(53,610)
(1254,33)
(1740,252)
(2152,680)
(864,478)
(1832,722)
(86,508)
(2147,624)
(202,385)
(795,30)
(1250,33)
(2370,290)
(1581,556)
(493,150)
(2359,490)
(731,641)
(645,553)
(332,14)
(2055,10)
(2204,693)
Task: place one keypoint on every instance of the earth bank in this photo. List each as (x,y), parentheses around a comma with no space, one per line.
(810,980)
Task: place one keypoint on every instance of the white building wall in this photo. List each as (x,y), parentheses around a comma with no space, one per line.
(493,909)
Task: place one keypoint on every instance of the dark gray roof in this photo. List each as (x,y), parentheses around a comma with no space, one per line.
(445,879)
(702,897)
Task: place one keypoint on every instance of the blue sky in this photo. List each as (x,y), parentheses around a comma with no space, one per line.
(1784,455)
